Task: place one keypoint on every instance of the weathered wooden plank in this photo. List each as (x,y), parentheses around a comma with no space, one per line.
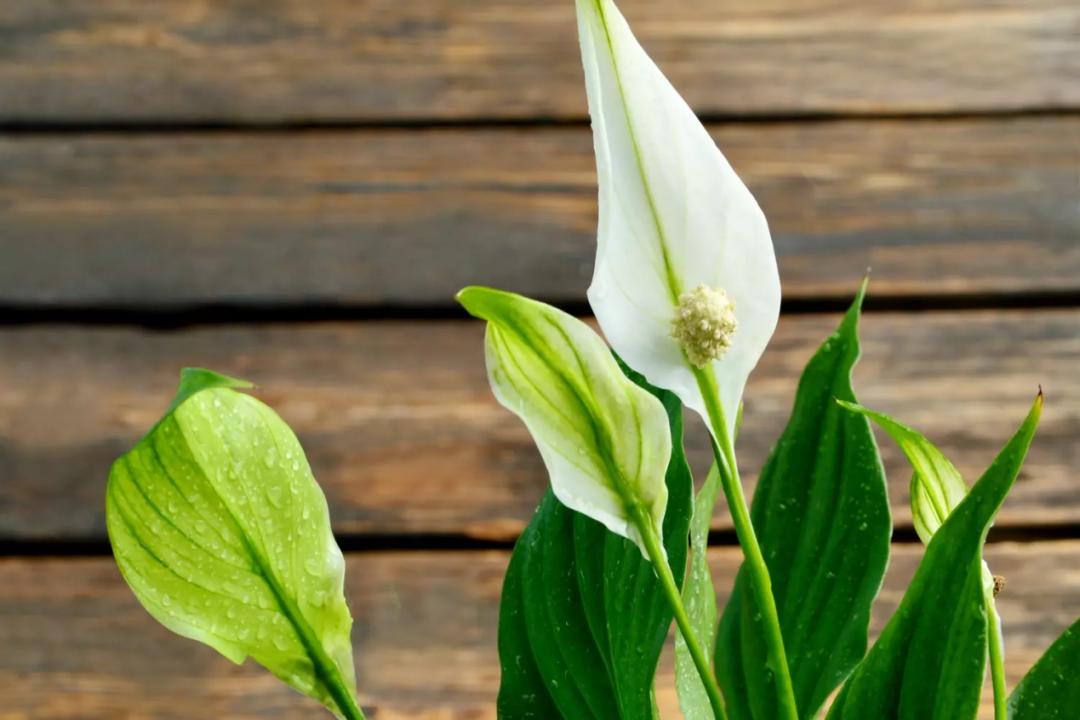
(77,646)
(231,61)
(409,217)
(405,437)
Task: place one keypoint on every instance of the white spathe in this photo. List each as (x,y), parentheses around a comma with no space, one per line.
(673,216)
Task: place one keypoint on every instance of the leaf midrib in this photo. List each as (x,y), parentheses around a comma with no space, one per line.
(325,668)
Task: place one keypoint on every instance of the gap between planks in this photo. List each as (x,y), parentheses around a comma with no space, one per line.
(402,432)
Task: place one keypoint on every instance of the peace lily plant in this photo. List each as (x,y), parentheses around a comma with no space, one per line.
(221,531)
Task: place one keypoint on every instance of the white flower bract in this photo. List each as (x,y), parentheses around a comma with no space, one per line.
(673,216)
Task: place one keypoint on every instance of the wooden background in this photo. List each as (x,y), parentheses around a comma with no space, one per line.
(291,192)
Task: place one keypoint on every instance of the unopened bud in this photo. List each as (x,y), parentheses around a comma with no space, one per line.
(704,324)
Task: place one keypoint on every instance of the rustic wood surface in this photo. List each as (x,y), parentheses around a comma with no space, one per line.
(78,646)
(408,218)
(176,61)
(342,163)
(405,437)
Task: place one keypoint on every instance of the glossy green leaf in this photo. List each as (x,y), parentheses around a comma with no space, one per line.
(1051,689)
(930,660)
(821,514)
(937,488)
(699,597)
(604,440)
(583,618)
(220,530)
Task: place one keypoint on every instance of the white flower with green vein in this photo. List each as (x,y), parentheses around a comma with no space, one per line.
(685,286)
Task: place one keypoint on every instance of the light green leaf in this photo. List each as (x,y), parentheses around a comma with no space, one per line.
(699,597)
(604,440)
(1051,689)
(929,662)
(583,617)
(936,485)
(821,513)
(220,530)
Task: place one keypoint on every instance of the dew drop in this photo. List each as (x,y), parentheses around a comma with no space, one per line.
(274,493)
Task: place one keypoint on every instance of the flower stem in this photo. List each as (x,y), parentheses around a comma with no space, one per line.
(757,570)
(663,571)
(997,659)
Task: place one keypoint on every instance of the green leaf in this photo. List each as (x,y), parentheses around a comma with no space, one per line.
(821,513)
(699,597)
(937,488)
(583,618)
(220,530)
(604,440)
(930,660)
(936,485)
(1051,689)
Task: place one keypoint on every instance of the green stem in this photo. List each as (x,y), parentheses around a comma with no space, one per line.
(997,658)
(757,570)
(656,553)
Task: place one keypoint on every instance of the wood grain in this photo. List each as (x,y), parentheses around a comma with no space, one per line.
(78,647)
(291,61)
(407,218)
(403,434)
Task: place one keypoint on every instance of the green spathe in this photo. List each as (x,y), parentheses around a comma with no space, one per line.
(936,485)
(604,440)
(223,535)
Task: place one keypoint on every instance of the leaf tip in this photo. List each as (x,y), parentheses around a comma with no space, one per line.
(847,405)
(860,294)
(474,298)
(1037,406)
(854,311)
(194,380)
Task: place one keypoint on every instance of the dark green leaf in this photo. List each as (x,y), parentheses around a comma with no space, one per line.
(583,618)
(221,531)
(821,514)
(1051,689)
(929,662)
